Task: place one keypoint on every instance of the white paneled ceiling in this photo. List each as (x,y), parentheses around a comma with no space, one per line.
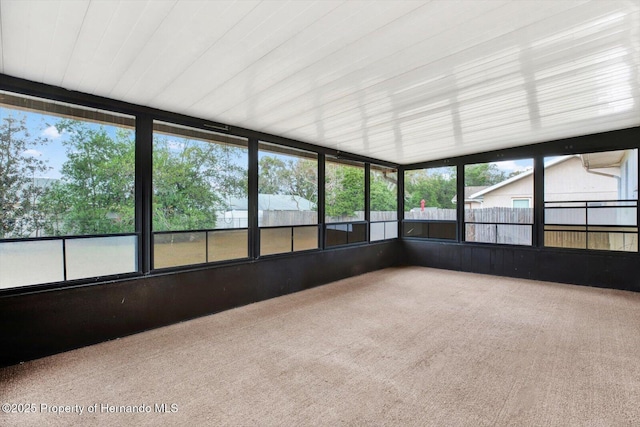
(403,81)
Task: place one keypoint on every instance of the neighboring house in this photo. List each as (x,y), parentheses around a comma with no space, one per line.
(283,209)
(579,191)
(468,192)
(599,176)
(628,173)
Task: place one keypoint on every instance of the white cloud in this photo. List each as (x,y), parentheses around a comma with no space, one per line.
(33,153)
(509,165)
(51,132)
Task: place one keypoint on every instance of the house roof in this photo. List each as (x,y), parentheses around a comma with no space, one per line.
(468,191)
(274,202)
(607,159)
(519,177)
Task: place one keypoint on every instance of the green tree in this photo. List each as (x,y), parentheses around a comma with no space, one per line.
(436,187)
(192,180)
(19,171)
(303,179)
(383,193)
(273,175)
(96,192)
(482,174)
(344,190)
(294,177)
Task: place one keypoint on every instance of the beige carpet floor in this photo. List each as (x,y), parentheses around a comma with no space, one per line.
(403,346)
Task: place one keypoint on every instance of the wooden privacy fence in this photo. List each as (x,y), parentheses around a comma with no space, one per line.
(273,218)
(489,225)
(430,214)
(377,216)
(511,226)
(488,215)
(614,240)
(492,225)
(278,218)
(500,215)
(359,216)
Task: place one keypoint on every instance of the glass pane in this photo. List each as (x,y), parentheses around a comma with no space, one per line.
(442,230)
(287,186)
(626,242)
(615,203)
(19,258)
(514,234)
(275,240)
(357,233)
(416,229)
(383,192)
(565,239)
(521,203)
(430,194)
(499,215)
(377,231)
(565,204)
(344,191)
(612,216)
(305,238)
(228,244)
(72,170)
(275,210)
(498,194)
(594,189)
(101,256)
(199,179)
(391,230)
(174,249)
(575,216)
(485,233)
(336,234)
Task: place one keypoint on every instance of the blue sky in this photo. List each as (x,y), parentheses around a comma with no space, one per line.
(52,151)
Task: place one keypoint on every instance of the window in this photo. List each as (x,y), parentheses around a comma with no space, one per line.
(67,192)
(521,203)
(497,206)
(200,202)
(430,203)
(591,201)
(344,202)
(287,199)
(383,196)
(344,234)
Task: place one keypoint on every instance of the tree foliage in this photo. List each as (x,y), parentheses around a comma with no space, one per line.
(19,170)
(383,193)
(96,194)
(436,187)
(192,180)
(272,175)
(288,176)
(483,174)
(344,190)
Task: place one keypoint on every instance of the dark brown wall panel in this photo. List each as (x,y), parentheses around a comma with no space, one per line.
(617,271)
(48,322)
